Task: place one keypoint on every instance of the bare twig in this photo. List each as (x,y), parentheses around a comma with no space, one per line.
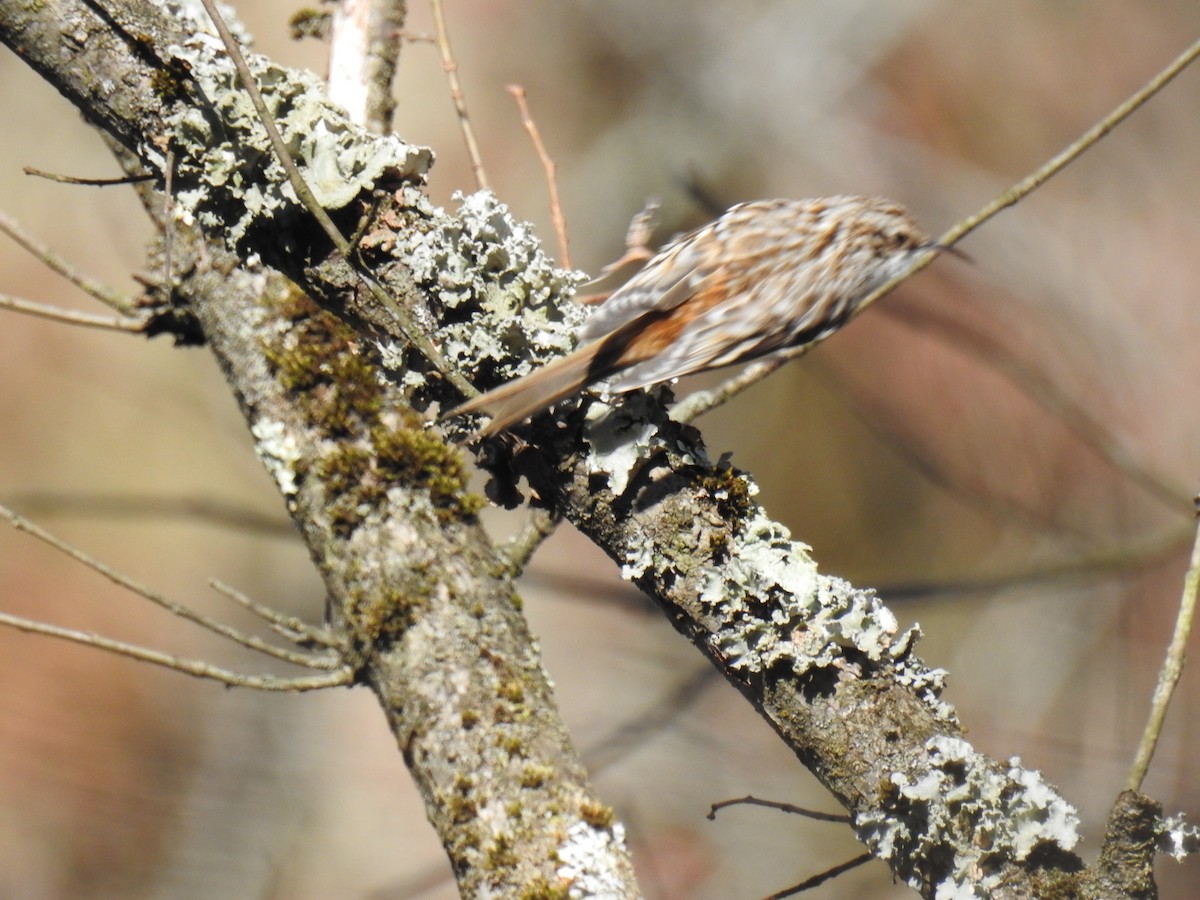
(1172,668)
(1121,559)
(749,800)
(450,67)
(698,403)
(817,880)
(740,382)
(86,182)
(250,86)
(551,170)
(72,317)
(539,526)
(412,332)
(177,609)
(195,667)
(56,263)
(140,506)
(1069,154)
(295,630)
(809,883)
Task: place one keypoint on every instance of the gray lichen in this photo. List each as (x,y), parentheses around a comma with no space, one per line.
(502,298)
(1008,813)
(779,612)
(227,176)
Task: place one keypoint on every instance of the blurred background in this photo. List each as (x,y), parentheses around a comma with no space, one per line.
(1005,448)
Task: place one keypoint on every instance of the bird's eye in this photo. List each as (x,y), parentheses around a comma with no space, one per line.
(894,239)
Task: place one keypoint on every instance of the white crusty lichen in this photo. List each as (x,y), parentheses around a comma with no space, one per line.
(591,861)
(1177,838)
(227,176)
(768,573)
(963,819)
(279,452)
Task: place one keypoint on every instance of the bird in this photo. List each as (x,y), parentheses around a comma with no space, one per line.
(764,277)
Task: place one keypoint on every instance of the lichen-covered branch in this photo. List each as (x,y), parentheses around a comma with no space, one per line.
(440,640)
(424,619)
(414,581)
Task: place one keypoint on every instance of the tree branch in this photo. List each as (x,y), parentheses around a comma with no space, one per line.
(380,501)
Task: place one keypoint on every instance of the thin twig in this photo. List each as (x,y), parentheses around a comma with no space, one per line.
(57,263)
(749,800)
(539,526)
(1172,668)
(250,86)
(551,170)
(195,667)
(738,383)
(408,326)
(296,630)
(818,879)
(72,317)
(1072,152)
(698,403)
(450,67)
(177,609)
(821,878)
(86,182)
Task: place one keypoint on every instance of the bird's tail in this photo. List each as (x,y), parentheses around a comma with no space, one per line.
(521,398)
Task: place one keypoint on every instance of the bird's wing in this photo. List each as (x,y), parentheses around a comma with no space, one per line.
(663,284)
(706,342)
(738,320)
